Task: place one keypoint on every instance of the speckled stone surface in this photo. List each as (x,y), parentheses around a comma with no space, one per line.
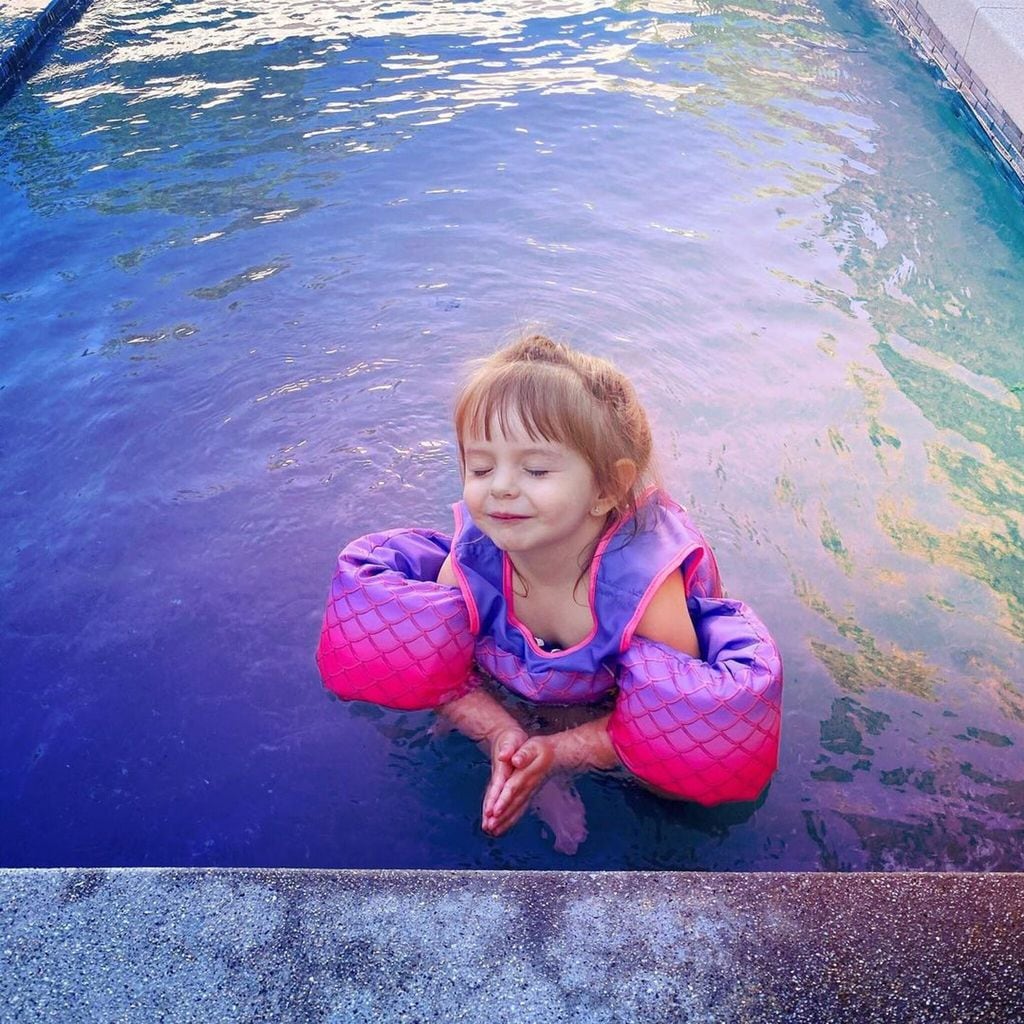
(350,946)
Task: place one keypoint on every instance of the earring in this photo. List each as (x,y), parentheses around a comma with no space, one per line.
(596,511)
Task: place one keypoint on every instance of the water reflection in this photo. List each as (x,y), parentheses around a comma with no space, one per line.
(944,346)
(987,543)
(173,30)
(941,410)
(146,122)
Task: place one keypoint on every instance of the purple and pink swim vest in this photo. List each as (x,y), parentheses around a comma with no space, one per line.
(702,729)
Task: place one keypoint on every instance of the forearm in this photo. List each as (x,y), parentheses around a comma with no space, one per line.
(478,715)
(585,747)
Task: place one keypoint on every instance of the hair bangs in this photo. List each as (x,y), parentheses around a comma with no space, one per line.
(543,400)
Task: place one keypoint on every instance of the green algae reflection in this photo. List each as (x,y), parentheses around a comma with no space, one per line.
(869,665)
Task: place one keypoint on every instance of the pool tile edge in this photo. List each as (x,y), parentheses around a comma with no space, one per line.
(36,32)
(988,73)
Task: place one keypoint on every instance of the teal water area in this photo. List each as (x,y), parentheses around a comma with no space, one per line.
(248,250)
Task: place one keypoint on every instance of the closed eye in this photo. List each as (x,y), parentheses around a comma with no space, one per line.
(538,472)
(479,472)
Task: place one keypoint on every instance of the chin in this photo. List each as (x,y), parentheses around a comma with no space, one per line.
(510,545)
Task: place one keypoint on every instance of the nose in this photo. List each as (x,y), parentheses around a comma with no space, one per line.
(503,483)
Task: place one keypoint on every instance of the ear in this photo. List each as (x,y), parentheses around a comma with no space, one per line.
(624,474)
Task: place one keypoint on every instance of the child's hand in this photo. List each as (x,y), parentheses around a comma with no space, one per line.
(514,780)
(503,748)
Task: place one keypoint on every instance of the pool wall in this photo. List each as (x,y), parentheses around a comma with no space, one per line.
(495,946)
(978,46)
(28,31)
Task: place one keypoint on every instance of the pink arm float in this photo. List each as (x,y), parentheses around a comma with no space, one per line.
(391,634)
(706,731)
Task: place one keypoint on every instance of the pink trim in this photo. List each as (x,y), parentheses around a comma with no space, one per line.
(663,574)
(595,567)
(464,587)
(690,570)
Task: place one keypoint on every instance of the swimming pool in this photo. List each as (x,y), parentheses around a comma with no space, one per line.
(247,251)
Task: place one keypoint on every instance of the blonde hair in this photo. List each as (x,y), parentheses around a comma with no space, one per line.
(564,396)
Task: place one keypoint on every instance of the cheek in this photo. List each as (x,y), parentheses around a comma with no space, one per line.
(472,489)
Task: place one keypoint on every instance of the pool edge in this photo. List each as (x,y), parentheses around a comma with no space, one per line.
(17,61)
(981,60)
(345,945)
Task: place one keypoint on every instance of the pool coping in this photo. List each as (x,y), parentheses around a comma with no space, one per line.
(151,944)
(37,30)
(977,47)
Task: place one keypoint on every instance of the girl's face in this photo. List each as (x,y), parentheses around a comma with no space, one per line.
(535,498)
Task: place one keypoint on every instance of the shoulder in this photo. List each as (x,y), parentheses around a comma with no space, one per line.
(680,539)
(446,575)
(642,551)
(666,619)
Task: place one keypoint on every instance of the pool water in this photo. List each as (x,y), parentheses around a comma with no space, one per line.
(246,251)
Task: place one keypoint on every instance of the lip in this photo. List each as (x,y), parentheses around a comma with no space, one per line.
(506,517)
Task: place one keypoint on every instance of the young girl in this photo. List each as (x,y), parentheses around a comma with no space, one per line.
(569,580)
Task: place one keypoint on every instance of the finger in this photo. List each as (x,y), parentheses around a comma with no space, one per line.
(505,748)
(504,798)
(512,813)
(523,781)
(501,771)
(497,813)
(525,755)
(505,795)
(500,775)
(512,786)
(501,754)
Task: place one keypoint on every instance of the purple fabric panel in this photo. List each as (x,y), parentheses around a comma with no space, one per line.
(631,558)
(549,684)
(414,554)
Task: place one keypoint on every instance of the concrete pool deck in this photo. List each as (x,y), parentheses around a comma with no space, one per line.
(215,945)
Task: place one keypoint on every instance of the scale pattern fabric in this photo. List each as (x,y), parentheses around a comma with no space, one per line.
(391,634)
(706,731)
(631,560)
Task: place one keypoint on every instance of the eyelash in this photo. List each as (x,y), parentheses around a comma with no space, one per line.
(537,474)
